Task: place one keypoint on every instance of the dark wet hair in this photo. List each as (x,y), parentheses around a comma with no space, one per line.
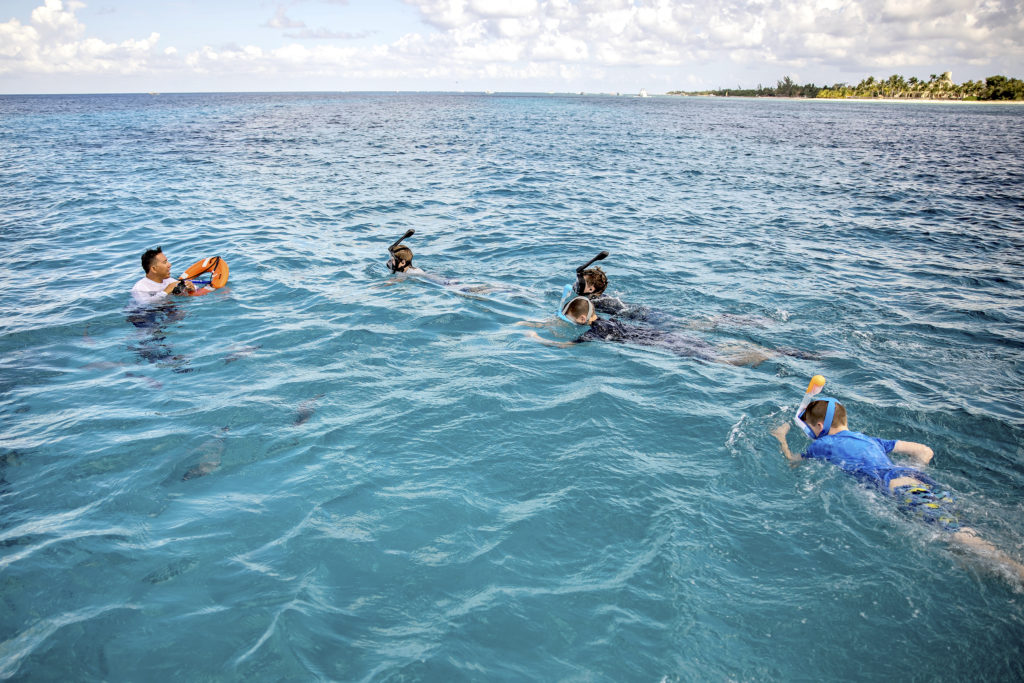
(148,256)
(596,277)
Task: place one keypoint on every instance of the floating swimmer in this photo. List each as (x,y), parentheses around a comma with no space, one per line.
(592,282)
(401,255)
(157,283)
(579,312)
(400,262)
(867,458)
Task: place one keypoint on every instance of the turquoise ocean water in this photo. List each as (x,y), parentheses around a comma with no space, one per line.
(324,472)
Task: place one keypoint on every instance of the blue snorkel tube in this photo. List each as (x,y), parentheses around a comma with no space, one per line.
(814,388)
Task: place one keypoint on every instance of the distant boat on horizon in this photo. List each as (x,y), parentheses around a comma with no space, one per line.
(643,92)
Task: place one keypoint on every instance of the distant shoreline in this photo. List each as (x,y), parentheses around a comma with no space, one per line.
(893,100)
(887,100)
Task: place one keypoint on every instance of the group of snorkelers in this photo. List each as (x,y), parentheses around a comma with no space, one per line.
(824,420)
(585,298)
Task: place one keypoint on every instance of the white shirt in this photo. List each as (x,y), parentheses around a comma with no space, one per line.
(146,291)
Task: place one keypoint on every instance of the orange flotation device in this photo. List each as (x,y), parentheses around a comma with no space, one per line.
(213,264)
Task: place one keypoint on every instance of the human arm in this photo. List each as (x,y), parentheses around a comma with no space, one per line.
(547,342)
(147,292)
(915,451)
(175,287)
(780,433)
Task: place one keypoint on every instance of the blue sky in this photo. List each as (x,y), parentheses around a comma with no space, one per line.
(55,46)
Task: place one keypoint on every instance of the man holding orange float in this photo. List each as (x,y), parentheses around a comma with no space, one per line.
(157,283)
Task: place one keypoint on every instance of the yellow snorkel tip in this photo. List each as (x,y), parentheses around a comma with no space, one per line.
(816,385)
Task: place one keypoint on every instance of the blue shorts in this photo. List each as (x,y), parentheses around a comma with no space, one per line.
(923,502)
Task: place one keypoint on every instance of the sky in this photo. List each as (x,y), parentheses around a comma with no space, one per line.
(103,46)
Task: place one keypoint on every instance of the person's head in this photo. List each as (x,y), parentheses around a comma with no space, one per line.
(580,311)
(401,258)
(156,264)
(596,282)
(816,413)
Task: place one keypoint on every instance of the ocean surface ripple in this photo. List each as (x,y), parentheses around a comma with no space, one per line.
(324,472)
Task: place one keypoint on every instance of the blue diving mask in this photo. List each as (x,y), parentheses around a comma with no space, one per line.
(813,389)
(567,298)
(830,413)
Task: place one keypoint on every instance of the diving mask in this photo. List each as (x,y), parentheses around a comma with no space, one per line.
(567,299)
(815,386)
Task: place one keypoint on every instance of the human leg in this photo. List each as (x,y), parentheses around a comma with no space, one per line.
(968,539)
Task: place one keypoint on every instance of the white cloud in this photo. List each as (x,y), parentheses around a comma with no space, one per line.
(52,16)
(518,28)
(443,14)
(281,20)
(54,43)
(326,34)
(493,51)
(503,8)
(559,48)
(562,40)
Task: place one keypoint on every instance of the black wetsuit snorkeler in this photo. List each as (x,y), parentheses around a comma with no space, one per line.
(580,311)
(592,282)
(612,330)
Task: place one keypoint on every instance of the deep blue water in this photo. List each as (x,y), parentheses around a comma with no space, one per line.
(325,472)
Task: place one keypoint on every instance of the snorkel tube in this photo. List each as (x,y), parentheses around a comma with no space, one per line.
(581,283)
(815,386)
(392,264)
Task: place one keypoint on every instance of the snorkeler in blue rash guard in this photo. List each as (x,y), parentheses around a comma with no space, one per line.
(867,458)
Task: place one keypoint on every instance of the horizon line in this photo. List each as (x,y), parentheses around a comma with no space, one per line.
(323,92)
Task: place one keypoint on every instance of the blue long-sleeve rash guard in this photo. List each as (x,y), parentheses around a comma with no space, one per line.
(866,457)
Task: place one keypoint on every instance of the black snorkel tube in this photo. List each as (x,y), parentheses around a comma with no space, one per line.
(581,282)
(392,264)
